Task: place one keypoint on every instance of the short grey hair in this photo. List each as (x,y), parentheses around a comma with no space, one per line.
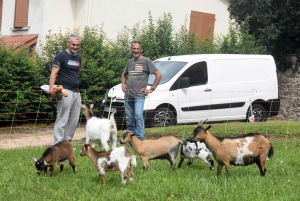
(75,36)
(136,42)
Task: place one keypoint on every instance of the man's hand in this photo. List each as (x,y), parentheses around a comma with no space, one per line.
(124,88)
(146,91)
(52,93)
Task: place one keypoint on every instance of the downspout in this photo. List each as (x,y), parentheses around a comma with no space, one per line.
(88,12)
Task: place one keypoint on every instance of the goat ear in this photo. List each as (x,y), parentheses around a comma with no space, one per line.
(34,159)
(208,128)
(45,163)
(92,105)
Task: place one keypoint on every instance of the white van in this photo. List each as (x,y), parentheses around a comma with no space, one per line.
(217,87)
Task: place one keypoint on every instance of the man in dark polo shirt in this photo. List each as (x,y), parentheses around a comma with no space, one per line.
(65,72)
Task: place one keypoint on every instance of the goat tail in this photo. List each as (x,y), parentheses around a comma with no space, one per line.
(270,151)
(133,161)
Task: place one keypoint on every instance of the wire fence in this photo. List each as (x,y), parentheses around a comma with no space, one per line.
(33,114)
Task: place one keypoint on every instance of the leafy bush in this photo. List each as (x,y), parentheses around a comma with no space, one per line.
(274,23)
(20,78)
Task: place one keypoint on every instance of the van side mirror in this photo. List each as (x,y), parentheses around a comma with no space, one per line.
(185,82)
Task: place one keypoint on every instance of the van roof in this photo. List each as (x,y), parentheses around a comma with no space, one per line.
(193,57)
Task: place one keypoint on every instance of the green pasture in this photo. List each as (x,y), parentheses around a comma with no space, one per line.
(19,180)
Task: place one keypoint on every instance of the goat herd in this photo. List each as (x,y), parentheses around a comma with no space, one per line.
(242,150)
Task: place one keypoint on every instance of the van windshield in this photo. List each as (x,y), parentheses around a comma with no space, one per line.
(168,69)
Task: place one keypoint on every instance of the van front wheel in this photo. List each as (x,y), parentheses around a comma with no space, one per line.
(163,117)
(259,112)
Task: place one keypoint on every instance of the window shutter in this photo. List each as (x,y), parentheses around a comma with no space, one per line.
(21,13)
(202,24)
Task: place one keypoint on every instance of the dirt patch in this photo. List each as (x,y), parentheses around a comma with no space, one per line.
(40,137)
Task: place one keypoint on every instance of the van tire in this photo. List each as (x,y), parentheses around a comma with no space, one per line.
(259,112)
(163,117)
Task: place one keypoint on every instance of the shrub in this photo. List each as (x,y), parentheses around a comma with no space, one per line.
(20,77)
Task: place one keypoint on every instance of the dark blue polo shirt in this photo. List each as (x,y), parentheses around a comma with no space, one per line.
(68,74)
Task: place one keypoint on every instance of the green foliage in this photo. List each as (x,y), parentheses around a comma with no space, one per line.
(19,75)
(239,41)
(274,23)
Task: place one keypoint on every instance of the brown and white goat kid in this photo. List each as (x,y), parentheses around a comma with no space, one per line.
(120,159)
(59,153)
(162,148)
(240,151)
(98,130)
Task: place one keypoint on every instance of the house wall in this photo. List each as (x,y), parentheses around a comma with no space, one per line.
(56,15)
(119,13)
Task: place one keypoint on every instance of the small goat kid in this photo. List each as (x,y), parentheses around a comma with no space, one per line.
(98,130)
(120,159)
(242,150)
(191,150)
(162,148)
(58,153)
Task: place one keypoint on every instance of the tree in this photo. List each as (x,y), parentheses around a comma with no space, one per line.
(275,23)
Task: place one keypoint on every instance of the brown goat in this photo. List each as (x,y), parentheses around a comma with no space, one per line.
(58,153)
(162,148)
(242,150)
(120,159)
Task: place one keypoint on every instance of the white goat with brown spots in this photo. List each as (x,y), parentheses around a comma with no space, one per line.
(162,148)
(242,150)
(120,159)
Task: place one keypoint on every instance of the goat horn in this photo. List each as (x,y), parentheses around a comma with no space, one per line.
(201,122)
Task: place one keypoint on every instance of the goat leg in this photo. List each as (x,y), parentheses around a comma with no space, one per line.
(45,171)
(180,162)
(227,167)
(61,168)
(220,166)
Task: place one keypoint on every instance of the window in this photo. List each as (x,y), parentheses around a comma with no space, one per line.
(202,24)
(21,13)
(0,13)
(197,74)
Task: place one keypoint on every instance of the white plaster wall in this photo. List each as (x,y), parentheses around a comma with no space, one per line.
(8,10)
(35,18)
(59,15)
(119,13)
(56,15)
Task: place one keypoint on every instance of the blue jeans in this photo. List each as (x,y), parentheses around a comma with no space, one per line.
(134,107)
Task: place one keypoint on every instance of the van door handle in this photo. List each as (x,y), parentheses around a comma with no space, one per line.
(207,89)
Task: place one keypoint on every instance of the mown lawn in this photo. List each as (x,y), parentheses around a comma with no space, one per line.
(19,180)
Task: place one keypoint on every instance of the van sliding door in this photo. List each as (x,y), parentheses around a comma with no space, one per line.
(194,100)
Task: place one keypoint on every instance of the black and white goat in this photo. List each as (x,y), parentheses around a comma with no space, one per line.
(57,154)
(242,150)
(120,159)
(191,150)
(99,131)
(162,148)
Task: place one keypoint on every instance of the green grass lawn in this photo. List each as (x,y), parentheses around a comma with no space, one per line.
(19,180)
